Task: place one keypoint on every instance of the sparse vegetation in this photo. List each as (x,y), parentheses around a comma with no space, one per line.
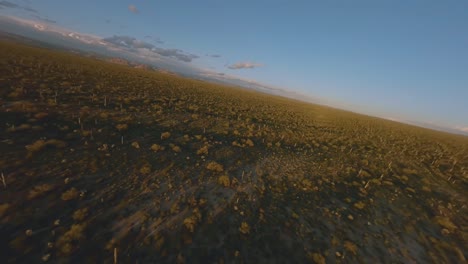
(70,194)
(165,168)
(39,190)
(214,166)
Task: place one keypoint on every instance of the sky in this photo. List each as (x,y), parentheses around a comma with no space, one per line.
(402,60)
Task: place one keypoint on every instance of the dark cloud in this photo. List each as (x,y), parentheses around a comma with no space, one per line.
(132,44)
(214,55)
(244,65)
(133,9)
(176,54)
(8,4)
(50,21)
(123,41)
(30,10)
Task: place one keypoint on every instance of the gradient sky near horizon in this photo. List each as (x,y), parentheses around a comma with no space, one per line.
(398,59)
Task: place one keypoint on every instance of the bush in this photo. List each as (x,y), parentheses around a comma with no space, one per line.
(203,150)
(39,190)
(224,181)
(214,166)
(156,147)
(3,208)
(244,228)
(165,135)
(70,194)
(121,127)
(64,243)
(80,214)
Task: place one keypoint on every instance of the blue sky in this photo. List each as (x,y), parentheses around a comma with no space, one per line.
(406,60)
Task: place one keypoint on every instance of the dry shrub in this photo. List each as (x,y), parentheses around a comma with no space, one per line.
(224,181)
(350,247)
(244,228)
(360,205)
(39,190)
(36,146)
(80,214)
(40,144)
(56,143)
(203,151)
(176,149)
(21,127)
(165,135)
(156,147)
(70,194)
(146,169)
(66,241)
(40,115)
(214,166)
(317,258)
(3,208)
(121,127)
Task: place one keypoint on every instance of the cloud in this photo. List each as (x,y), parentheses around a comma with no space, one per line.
(129,42)
(133,44)
(244,65)
(133,9)
(463,129)
(46,20)
(30,9)
(175,53)
(214,55)
(8,4)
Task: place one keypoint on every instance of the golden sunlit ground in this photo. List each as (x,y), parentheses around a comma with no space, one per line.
(102,161)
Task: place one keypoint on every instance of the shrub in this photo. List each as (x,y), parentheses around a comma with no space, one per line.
(224,181)
(70,194)
(350,247)
(80,214)
(36,146)
(146,169)
(203,150)
(176,149)
(40,115)
(359,205)
(190,223)
(165,135)
(3,208)
(317,258)
(244,228)
(39,190)
(156,147)
(214,166)
(121,127)
(41,144)
(64,243)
